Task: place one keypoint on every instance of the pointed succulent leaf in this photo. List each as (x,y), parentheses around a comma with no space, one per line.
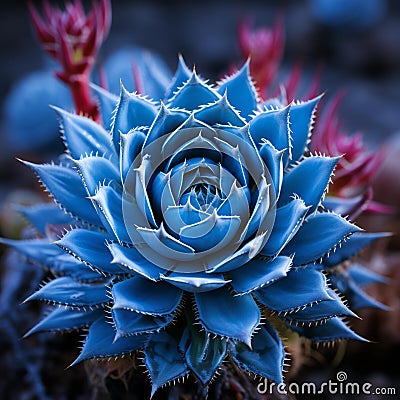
(36,250)
(355,294)
(305,286)
(130,146)
(163,360)
(207,233)
(181,76)
(332,330)
(320,311)
(65,319)
(100,342)
(309,180)
(320,234)
(288,220)
(90,248)
(266,356)
(129,323)
(167,244)
(165,122)
(343,206)
(66,187)
(364,276)
(241,91)
(40,215)
(192,94)
(195,282)
(220,112)
(65,264)
(204,355)
(223,314)
(351,247)
(95,171)
(107,103)
(301,122)
(83,135)
(132,260)
(109,204)
(146,297)
(274,127)
(240,257)
(274,165)
(132,110)
(258,273)
(67,291)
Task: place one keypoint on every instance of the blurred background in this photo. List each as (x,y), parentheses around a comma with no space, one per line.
(354,43)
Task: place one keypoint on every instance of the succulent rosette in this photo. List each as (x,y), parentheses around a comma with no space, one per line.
(192,229)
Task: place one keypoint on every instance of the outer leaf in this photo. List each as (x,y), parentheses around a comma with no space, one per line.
(65,185)
(100,342)
(322,310)
(95,171)
(220,112)
(193,94)
(317,236)
(107,103)
(333,329)
(301,120)
(91,248)
(132,110)
(146,297)
(351,247)
(68,292)
(65,264)
(355,295)
(130,258)
(83,135)
(266,356)
(274,127)
(309,180)
(182,74)
(163,360)
(129,323)
(288,220)
(64,319)
(40,215)
(204,355)
(364,276)
(241,92)
(226,315)
(37,250)
(258,273)
(304,285)
(344,206)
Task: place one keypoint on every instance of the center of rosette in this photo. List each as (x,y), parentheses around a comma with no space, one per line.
(194,197)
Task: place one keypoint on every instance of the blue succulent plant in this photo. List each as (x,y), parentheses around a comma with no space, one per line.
(191,227)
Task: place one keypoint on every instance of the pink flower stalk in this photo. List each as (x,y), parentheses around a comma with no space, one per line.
(293,83)
(73,39)
(357,167)
(264,47)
